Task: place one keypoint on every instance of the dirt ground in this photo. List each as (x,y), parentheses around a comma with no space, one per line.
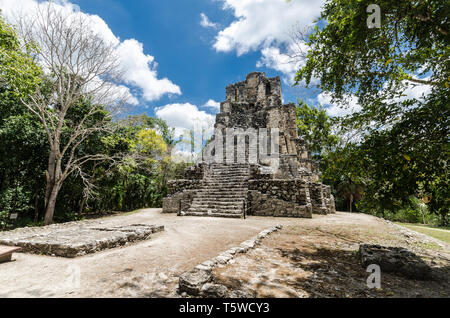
(151,268)
(320,259)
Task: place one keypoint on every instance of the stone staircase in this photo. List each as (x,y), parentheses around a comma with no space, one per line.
(223,192)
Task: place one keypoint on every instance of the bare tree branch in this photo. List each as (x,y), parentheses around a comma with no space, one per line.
(80,67)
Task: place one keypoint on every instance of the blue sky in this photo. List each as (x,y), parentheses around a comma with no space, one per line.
(171,32)
(180,55)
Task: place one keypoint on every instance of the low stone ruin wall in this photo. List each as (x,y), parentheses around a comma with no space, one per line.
(72,239)
(318,200)
(265,205)
(177,202)
(284,198)
(295,191)
(199,282)
(290,198)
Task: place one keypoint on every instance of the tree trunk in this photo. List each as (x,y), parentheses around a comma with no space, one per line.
(50,210)
(36,208)
(351,202)
(83,202)
(50,176)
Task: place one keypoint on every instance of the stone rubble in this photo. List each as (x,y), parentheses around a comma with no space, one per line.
(200,280)
(397,260)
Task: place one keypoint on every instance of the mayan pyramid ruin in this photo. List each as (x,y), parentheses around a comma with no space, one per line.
(255,164)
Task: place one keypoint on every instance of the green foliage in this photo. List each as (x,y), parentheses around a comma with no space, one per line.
(13,200)
(378,64)
(140,180)
(141,147)
(403,147)
(22,140)
(413,210)
(315,126)
(19,75)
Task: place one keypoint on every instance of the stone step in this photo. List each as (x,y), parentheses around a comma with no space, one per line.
(219,215)
(222,193)
(217,195)
(221,181)
(228,167)
(224,189)
(206,207)
(218,204)
(221,199)
(213,210)
(227,177)
(239,169)
(233,183)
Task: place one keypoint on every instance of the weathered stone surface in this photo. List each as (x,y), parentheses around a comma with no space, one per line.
(6,253)
(193,281)
(395,260)
(223,258)
(210,290)
(244,180)
(67,240)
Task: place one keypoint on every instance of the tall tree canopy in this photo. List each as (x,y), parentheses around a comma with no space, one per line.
(378,65)
(404,147)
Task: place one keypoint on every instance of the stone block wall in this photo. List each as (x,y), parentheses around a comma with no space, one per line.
(265,205)
(288,198)
(176,186)
(296,191)
(181,192)
(318,198)
(196,172)
(177,202)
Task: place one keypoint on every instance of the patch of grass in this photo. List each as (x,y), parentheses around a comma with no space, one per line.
(439,233)
(429,246)
(447,228)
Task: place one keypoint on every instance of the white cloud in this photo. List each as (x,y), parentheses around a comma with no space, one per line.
(262,23)
(206,23)
(184,117)
(212,104)
(268,26)
(416,91)
(335,110)
(140,69)
(285,63)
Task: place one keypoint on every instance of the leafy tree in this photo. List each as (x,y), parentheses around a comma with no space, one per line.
(405,151)
(377,65)
(316,127)
(19,74)
(22,139)
(81,73)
